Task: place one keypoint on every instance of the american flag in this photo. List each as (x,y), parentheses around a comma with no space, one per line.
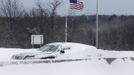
(74,4)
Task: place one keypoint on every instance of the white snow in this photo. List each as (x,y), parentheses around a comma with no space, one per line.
(6,53)
(96,65)
(90,67)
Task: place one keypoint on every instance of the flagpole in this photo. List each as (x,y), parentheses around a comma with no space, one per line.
(97,21)
(66,25)
(66,28)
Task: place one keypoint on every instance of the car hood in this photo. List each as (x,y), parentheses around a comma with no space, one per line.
(35,54)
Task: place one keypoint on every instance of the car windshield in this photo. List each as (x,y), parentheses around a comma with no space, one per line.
(49,48)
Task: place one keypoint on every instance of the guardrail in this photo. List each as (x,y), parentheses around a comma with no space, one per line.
(17,62)
(109,60)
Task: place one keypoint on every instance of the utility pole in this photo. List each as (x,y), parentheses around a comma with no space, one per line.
(97,22)
(66,29)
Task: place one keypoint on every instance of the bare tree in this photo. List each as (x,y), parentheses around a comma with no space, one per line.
(53,8)
(42,13)
(47,16)
(39,16)
(10,9)
(41,10)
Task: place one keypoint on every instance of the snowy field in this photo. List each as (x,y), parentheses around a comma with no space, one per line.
(108,63)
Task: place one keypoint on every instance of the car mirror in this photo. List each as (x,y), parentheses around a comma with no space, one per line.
(62,52)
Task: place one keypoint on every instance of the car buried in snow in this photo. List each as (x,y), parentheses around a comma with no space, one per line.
(58,51)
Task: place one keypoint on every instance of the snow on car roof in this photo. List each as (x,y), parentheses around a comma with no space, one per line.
(67,43)
(72,44)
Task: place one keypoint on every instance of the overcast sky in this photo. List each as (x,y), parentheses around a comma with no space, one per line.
(107,7)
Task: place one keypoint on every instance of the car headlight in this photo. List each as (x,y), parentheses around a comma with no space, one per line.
(16,57)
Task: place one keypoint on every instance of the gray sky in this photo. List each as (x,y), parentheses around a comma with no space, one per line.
(108,7)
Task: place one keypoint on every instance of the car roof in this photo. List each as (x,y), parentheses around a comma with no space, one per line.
(70,44)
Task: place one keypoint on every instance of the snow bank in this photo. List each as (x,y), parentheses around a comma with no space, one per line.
(6,53)
(89,67)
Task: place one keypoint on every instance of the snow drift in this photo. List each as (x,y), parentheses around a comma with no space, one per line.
(98,62)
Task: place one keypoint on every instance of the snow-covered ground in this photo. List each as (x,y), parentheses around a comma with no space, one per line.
(107,63)
(89,67)
(6,53)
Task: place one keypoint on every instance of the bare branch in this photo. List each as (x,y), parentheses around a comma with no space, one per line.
(54,6)
(10,8)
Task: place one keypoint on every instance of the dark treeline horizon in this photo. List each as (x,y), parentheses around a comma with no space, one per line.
(115,32)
